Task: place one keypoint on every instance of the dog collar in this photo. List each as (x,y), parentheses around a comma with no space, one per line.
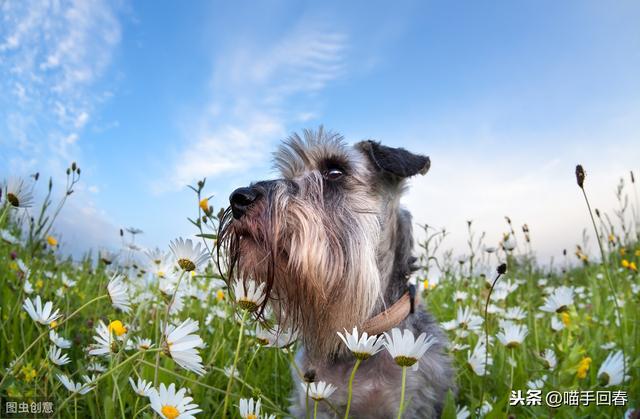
(391,317)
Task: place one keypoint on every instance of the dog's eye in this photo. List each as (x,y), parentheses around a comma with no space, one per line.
(333,174)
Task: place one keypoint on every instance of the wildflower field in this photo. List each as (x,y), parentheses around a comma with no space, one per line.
(142,333)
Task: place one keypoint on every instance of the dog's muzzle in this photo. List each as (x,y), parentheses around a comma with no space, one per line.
(241,199)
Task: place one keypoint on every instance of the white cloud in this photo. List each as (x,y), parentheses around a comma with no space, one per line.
(247,112)
(538,191)
(51,54)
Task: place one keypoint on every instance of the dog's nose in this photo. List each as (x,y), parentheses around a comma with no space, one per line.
(241,199)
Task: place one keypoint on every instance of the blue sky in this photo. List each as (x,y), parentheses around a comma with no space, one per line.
(506,97)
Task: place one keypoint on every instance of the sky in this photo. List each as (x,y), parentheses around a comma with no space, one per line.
(148,97)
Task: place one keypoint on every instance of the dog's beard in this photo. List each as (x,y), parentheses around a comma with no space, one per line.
(320,270)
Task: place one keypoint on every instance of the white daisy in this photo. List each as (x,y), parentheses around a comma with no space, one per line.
(274,338)
(476,358)
(405,349)
(188,257)
(559,300)
(142,387)
(515,313)
(509,243)
(465,321)
(105,344)
(249,410)
(462,412)
(549,358)
(227,371)
(69,283)
(107,257)
(40,314)
(608,346)
(27,287)
(57,357)
(141,344)
(96,367)
(459,296)
(318,391)
(119,293)
(556,324)
(511,334)
(362,347)
(73,387)
(537,384)
(250,298)
(181,344)
(18,193)
(611,372)
(59,341)
(170,404)
(489,249)
(8,237)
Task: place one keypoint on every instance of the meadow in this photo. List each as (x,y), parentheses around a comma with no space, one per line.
(139,333)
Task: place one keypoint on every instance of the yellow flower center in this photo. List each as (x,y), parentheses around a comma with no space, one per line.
(204,205)
(583,367)
(53,324)
(39,283)
(220,295)
(566,318)
(52,241)
(13,199)
(405,361)
(186,264)
(170,412)
(248,305)
(252,416)
(117,327)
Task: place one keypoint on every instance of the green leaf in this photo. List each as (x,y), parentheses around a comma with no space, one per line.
(208,236)
(449,410)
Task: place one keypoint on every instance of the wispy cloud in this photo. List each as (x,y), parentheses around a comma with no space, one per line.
(252,86)
(51,56)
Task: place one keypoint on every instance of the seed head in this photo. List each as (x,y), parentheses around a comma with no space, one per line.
(502,269)
(580,175)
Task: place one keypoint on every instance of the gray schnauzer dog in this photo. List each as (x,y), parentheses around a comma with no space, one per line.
(333,246)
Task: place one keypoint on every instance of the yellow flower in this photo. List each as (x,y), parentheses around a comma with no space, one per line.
(220,295)
(28,372)
(53,324)
(566,318)
(39,283)
(637,253)
(204,205)
(13,266)
(612,238)
(623,251)
(52,241)
(583,367)
(117,327)
(633,267)
(624,263)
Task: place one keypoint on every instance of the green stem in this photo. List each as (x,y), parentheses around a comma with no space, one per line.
(605,264)
(108,373)
(404,385)
(315,409)
(353,374)
(46,332)
(235,363)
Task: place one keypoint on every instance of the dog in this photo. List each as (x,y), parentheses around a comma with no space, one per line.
(334,248)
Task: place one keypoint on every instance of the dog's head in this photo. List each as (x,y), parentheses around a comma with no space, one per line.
(326,235)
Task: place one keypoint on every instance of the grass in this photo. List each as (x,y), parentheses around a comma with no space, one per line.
(79,290)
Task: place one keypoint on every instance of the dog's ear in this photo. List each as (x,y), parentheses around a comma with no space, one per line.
(395,161)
